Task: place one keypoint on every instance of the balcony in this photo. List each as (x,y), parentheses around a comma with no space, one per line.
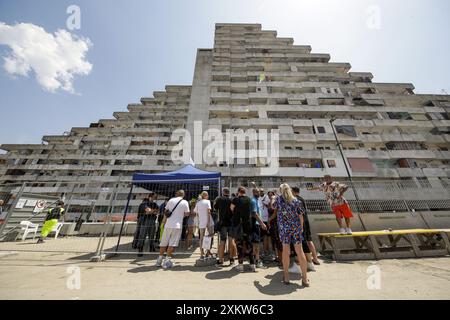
(305,137)
(434,172)
(356,153)
(403,137)
(391,123)
(411,154)
(325,137)
(303,154)
(370,138)
(410,172)
(386,173)
(441,123)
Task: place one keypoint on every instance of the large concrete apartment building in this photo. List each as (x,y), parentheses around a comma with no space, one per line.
(394,142)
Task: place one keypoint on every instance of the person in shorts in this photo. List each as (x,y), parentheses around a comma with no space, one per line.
(176,209)
(334,192)
(308,245)
(222,206)
(242,228)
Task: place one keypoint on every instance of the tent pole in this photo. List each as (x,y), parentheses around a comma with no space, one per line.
(124,216)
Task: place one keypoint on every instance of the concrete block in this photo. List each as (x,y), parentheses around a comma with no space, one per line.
(437,219)
(392,220)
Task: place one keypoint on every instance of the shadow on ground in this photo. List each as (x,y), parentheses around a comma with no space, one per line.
(276,287)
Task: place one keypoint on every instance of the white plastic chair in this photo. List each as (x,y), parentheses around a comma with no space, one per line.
(28,227)
(57,228)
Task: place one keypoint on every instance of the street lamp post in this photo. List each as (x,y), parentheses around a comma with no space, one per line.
(339,145)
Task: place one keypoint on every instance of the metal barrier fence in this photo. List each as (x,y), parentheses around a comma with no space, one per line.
(95,216)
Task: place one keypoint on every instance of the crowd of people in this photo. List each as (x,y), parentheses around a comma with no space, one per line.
(262,227)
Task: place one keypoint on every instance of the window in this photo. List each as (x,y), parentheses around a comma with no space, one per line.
(331,163)
(399,115)
(320,129)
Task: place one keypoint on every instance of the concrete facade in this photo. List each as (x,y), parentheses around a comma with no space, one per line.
(253,79)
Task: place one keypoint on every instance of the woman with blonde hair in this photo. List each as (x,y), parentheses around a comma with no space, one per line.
(289,213)
(206,223)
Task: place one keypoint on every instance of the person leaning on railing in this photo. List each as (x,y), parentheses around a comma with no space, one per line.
(51,220)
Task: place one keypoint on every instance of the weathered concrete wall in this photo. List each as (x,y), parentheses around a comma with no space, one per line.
(199,102)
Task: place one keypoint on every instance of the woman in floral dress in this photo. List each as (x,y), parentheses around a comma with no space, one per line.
(290,223)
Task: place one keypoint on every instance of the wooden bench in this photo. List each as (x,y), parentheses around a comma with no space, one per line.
(384,244)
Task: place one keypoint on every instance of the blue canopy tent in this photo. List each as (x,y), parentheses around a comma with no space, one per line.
(188,178)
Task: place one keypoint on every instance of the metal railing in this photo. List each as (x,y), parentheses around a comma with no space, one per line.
(95,217)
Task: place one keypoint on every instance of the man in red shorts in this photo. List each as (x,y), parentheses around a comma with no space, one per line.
(334,195)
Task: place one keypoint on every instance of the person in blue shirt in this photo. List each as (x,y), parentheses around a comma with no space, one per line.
(257,225)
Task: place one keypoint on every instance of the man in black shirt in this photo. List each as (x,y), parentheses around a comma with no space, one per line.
(242,228)
(222,206)
(147,214)
(308,244)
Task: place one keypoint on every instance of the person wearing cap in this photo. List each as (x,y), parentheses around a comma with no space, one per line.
(51,220)
(146,226)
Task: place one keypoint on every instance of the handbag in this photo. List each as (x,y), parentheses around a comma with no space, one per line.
(168,212)
(207,240)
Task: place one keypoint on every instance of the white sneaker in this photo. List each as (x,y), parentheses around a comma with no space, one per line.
(261,265)
(167,263)
(253,267)
(311,267)
(348,231)
(159,261)
(342,231)
(240,268)
(295,268)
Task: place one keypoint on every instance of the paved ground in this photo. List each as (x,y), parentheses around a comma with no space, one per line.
(46,275)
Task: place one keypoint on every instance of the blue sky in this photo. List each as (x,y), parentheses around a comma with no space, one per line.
(140,46)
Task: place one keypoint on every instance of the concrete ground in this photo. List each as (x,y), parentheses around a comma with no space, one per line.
(25,275)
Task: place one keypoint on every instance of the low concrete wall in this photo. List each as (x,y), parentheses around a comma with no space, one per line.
(325,223)
(437,219)
(393,220)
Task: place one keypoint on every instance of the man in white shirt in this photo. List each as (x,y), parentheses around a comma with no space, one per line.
(205,221)
(176,209)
